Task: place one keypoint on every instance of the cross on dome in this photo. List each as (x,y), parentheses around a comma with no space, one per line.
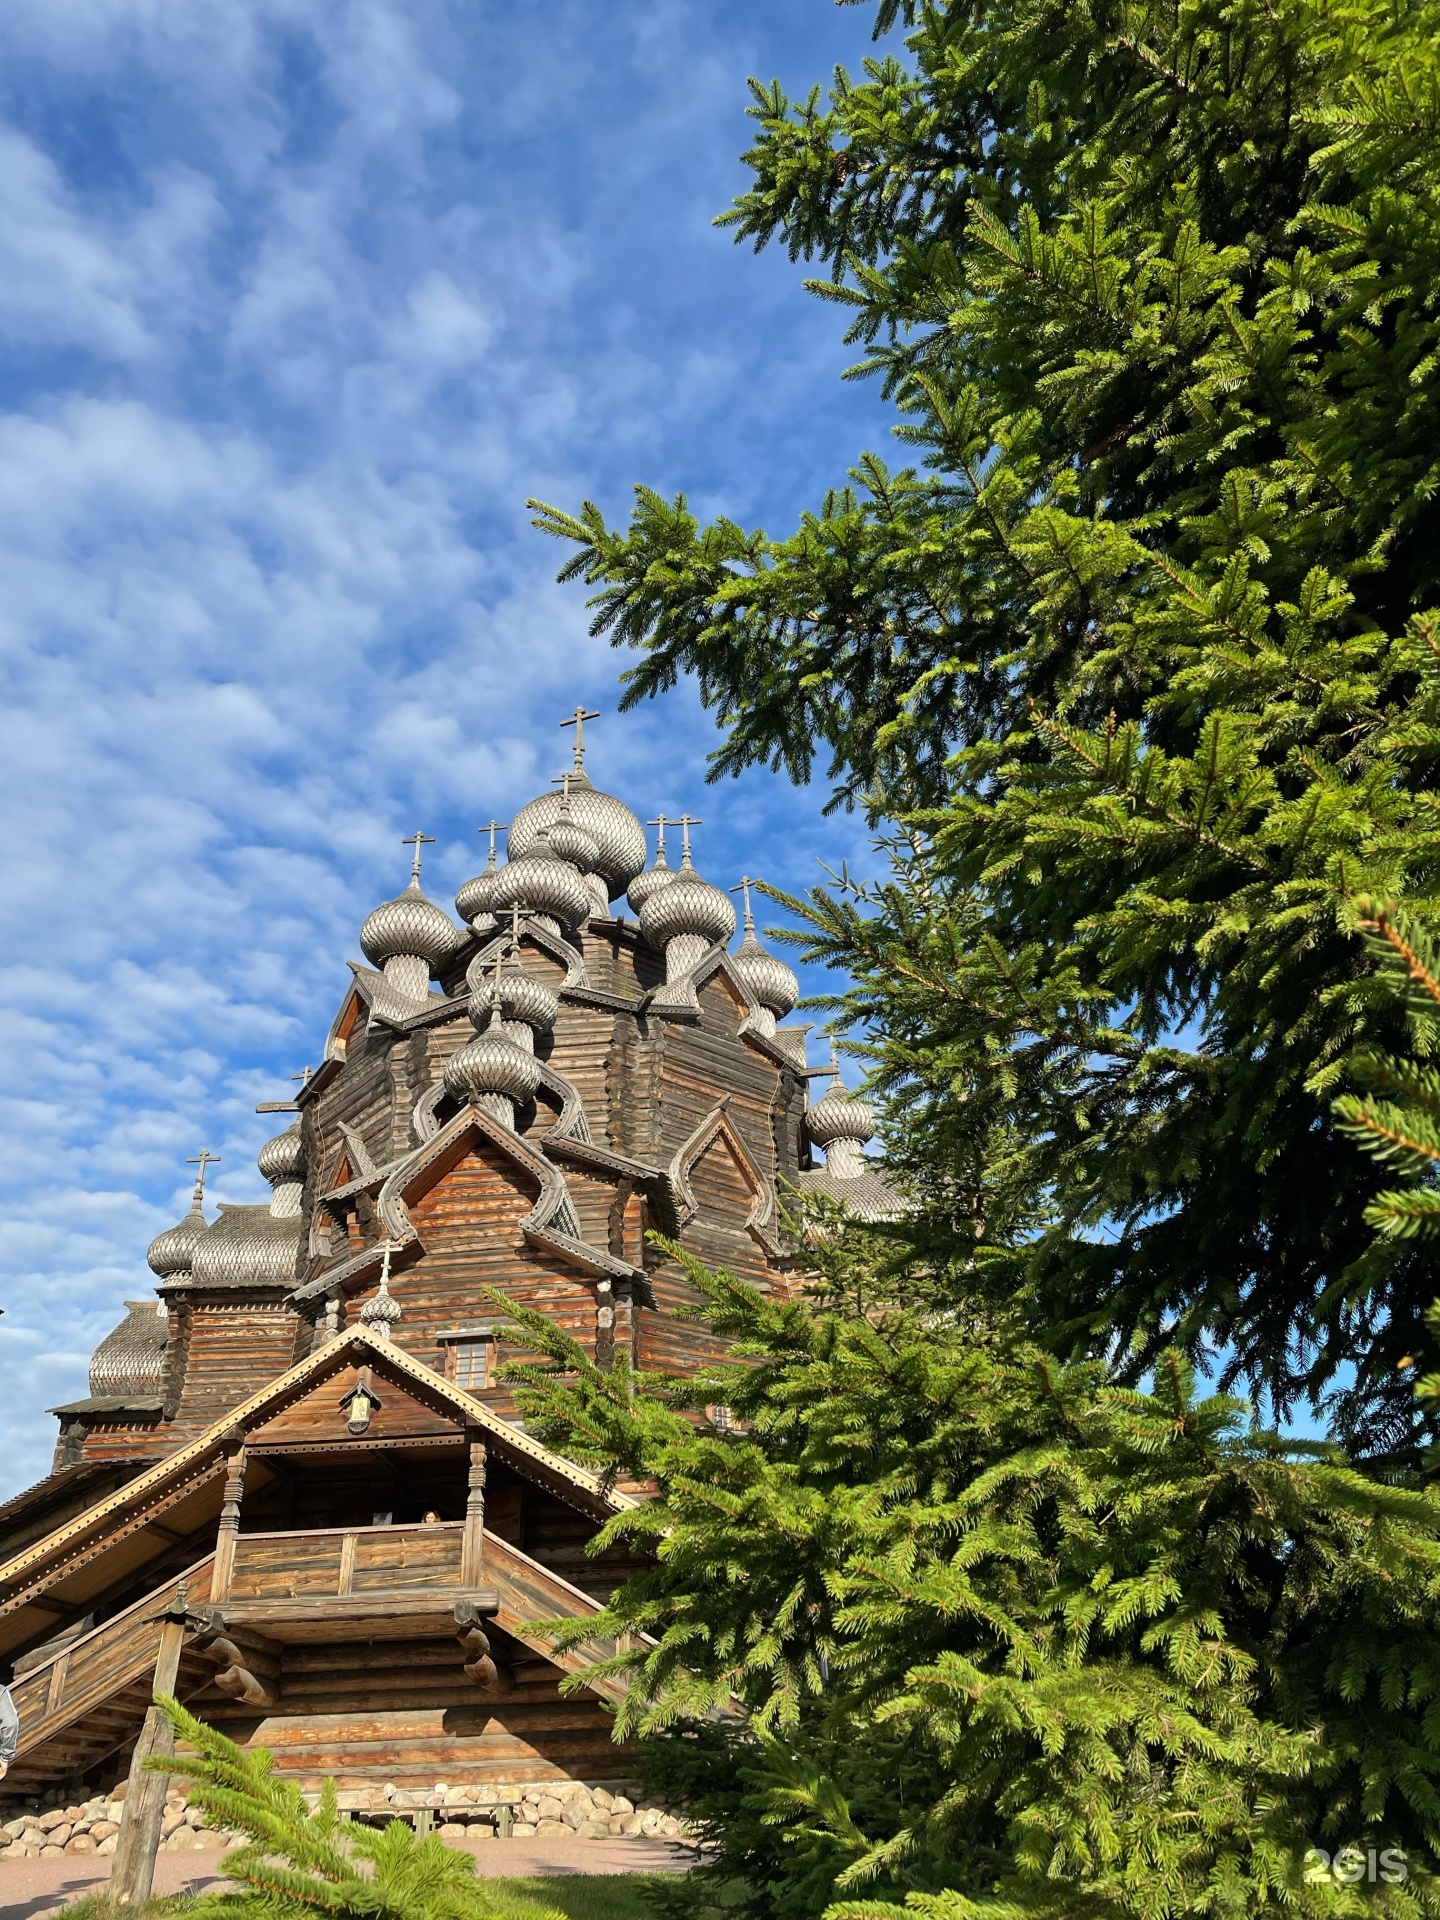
(744,887)
(685,822)
(303,1076)
(577,720)
(418,840)
(201,1160)
(492,827)
(661,821)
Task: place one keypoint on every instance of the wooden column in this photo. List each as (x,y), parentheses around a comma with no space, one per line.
(472,1540)
(144,1810)
(229,1525)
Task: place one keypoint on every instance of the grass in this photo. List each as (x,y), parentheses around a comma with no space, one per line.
(590,1896)
(580,1896)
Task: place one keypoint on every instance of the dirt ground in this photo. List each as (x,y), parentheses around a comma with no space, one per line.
(30,1889)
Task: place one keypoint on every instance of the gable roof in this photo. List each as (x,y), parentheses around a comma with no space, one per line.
(356,1346)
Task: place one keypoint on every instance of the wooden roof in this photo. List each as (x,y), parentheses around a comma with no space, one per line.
(355,1346)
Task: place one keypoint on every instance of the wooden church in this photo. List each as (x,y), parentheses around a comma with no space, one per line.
(298,1480)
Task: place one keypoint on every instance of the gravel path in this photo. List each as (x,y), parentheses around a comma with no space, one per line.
(30,1889)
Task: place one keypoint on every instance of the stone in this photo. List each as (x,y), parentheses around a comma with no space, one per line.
(51,1852)
(550,1808)
(109,1843)
(605,1801)
(13,1829)
(593,1830)
(522,1830)
(453,1830)
(113,1808)
(549,1829)
(354,1800)
(577,1812)
(48,1822)
(57,1836)
(621,1805)
(650,1820)
(119,1790)
(173,1817)
(670,1827)
(194,1817)
(81,1843)
(102,1829)
(186,1839)
(633,1825)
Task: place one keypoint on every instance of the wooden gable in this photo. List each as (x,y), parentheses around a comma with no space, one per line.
(321,1416)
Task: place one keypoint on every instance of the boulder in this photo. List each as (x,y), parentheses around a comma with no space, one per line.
(553,1830)
(550,1808)
(51,1852)
(81,1843)
(650,1820)
(109,1843)
(522,1830)
(593,1830)
(57,1836)
(453,1830)
(102,1829)
(603,1800)
(48,1822)
(621,1805)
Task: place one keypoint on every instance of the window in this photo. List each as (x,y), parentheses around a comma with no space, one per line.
(472,1364)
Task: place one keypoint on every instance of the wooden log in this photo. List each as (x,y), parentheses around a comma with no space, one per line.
(472,1542)
(133,1874)
(480,1665)
(229,1528)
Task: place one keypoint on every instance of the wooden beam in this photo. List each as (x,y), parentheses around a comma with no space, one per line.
(133,1874)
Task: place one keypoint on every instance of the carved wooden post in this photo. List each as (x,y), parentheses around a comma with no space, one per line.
(229,1525)
(472,1540)
(144,1810)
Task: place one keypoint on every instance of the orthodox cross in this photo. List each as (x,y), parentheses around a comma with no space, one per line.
(303,1076)
(201,1160)
(577,720)
(492,828)
(744,887)
(685,822)
(661,820)
(419,840)
(835,1061)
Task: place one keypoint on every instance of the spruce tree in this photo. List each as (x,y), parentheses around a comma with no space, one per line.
(1134,665)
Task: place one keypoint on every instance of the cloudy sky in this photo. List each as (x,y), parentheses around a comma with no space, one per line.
(299,300)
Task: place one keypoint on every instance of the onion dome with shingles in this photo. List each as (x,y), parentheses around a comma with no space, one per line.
(517,995)
(131,1360)
(543,885)
(476,898)
(618,835)
(841,1115)
(689,905)
(410,926)
(651,881)
(173,1251)
(766,979)
(282,1159)
(491,1064)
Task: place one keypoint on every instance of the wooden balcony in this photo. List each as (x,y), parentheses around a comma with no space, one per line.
(384,1582)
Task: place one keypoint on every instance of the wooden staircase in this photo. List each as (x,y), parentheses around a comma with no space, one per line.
(86,1703)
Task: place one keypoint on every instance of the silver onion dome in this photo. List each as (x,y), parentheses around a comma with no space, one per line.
(411,927)
(651,881)
(517,995)
(283,1158)
(767,979)
(571,843)
(173,1251)
(689,905)
(382,1310)
(841,1123)
(282,1161)
(494,1073)
(476,898)
(546,886)
(619,837)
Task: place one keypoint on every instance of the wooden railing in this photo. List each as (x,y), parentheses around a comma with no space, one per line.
(80,1678)
(529,1592)
(345,1560)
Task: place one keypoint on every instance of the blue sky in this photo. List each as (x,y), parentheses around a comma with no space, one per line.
(298,302)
